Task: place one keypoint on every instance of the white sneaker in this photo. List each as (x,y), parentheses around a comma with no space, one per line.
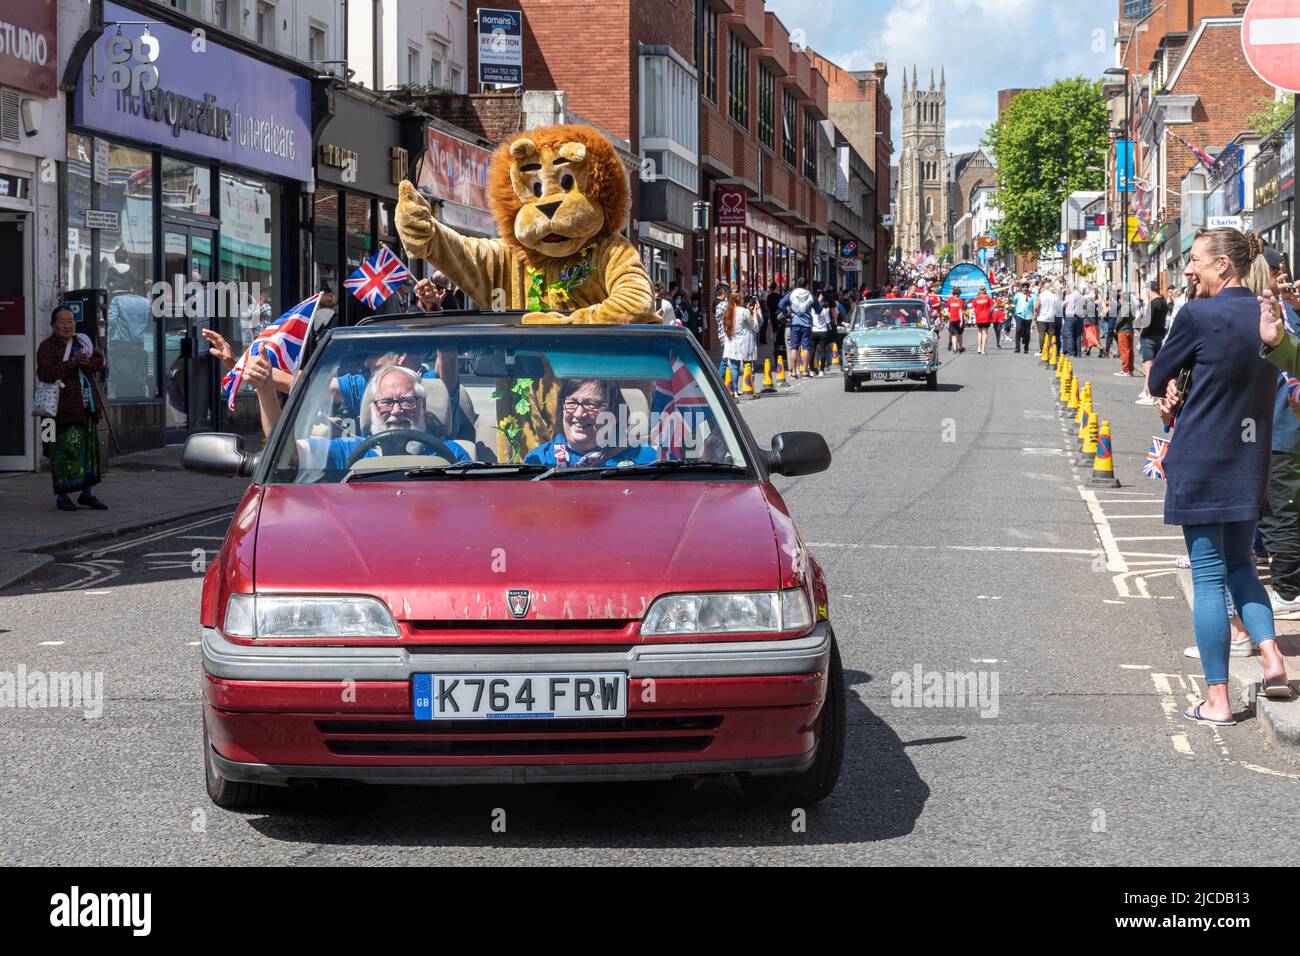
(1145,400)
(1286,610)
(1241,648)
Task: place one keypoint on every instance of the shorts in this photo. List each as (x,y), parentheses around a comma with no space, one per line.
(955,327)
(800,336)
(1150,349)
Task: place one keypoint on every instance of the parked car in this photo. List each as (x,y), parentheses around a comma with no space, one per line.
(410,593)
(890,340)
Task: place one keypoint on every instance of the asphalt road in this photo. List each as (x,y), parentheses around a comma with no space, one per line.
(955,539)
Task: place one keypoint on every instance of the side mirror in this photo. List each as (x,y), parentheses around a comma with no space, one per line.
(798,453)
(217,453)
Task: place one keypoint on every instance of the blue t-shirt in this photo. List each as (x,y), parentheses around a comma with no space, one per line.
(352,387)
(556,451)
(1286,427)
(336,458)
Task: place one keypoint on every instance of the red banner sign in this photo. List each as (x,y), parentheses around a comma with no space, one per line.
(29,45)
(454,169)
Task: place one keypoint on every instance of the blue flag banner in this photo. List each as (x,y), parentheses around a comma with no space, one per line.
(965,279)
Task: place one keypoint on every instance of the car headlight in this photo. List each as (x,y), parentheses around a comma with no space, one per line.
(728,612)
(307,615)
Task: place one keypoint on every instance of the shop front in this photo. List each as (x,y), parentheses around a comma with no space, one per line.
(1274,191)
(660,249)
(28,200)
(363,153)
(752,249)
(182,212)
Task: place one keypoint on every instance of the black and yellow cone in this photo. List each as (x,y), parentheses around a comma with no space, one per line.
(747,382)
(1042,352)
(726,378)
(1103,465)
(1088,453)
(768,384)
(781,380)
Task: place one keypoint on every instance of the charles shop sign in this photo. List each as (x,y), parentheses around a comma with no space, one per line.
(210,101)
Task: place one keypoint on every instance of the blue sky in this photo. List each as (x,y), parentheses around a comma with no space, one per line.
(984,45)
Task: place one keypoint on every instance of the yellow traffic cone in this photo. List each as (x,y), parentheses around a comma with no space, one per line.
(1072,400)
(768,384)
(780,372)
(1042,352)
(726,378)
(1085,396)
(1088,453)
(835,355)
(747,382)
(1063,393)
(1103,465)
(1052,358)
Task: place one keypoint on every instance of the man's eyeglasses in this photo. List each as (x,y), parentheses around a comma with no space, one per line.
(589,405)
(406,401)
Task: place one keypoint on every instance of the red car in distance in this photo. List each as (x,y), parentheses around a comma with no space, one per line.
(480,552)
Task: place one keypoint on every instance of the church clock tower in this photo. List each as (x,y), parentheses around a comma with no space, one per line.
(923,168)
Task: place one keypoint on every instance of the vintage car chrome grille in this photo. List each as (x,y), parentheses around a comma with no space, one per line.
(893,354)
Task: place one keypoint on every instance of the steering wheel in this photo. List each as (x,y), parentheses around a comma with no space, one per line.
(394,442)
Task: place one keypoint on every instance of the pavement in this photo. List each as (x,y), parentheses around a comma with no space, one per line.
(957,538)
(142,490)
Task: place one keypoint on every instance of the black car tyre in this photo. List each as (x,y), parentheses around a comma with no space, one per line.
(235,794)
(818,781)
(932,382)
(850,383)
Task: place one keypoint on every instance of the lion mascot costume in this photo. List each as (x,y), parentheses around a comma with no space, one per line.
(559,195)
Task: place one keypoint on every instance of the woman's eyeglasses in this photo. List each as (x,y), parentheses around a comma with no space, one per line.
(589,405)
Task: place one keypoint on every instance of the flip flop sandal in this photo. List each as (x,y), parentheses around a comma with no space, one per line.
(1277,691)
(1196,716)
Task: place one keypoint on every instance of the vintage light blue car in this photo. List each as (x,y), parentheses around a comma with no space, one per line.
(890,340)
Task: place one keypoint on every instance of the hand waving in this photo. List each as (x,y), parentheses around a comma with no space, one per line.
(1271,329)
(414,220)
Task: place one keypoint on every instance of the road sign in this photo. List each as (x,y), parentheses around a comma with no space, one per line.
(1062,247)
(1270,38)
(1110,255)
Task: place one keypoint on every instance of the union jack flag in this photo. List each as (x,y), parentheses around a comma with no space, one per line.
(1204,158)
(281,343)
(676,408)
(1145,200)
(1154,467)
(378,277)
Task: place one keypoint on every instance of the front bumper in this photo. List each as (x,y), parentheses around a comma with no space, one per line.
(921,368)
(279,714)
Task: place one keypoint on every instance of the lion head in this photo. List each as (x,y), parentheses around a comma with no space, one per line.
(555,189)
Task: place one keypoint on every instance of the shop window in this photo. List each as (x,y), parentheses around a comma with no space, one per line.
(186,187)
(250,248)
(126,269)
(325,239)
(80,261)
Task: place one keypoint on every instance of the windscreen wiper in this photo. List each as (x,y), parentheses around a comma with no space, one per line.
(453,470)
(672,466)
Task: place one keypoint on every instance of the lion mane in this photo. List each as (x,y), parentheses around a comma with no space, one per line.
(606,184)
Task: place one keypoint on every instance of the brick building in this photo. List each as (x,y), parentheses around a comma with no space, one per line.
(1186,75)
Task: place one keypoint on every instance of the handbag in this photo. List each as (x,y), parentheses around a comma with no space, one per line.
(45,396)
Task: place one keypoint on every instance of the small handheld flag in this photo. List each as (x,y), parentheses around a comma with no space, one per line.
(1154,466)
(378,277)
(281,343)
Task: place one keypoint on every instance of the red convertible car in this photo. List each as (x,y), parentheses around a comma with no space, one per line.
(475,551)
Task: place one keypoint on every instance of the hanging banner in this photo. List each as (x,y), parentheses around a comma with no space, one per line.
(1124,165)
(966,279)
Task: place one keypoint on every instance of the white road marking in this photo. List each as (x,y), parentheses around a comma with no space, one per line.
(1043,451)
(984,660)
(191,643)
(1136,667)
(1109,601)
(51,643)
(987,597)
(1114,559)
(1090,552)
(145,539)
(1153,537)
(1273,773)
(1182,745)
(1117,517)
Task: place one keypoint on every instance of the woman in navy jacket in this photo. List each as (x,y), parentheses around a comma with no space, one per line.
(1217,464)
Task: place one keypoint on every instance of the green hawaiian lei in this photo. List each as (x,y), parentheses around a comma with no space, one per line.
(556,295)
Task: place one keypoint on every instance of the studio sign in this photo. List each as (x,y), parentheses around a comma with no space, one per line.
(23,44)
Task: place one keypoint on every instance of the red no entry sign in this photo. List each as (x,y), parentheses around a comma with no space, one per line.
(1270,38)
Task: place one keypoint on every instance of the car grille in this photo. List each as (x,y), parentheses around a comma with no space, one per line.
(899,354)
(488,738)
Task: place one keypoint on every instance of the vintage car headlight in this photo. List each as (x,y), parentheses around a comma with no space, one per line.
(307,615)
(728,612)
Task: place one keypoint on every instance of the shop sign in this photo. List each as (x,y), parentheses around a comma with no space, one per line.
(665,237)
(103,219)
(210,101)
(29,46)
(454,169)
(730,208)
(339,157)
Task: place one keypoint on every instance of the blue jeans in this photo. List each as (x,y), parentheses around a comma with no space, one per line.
(1221,557)
(1073,334)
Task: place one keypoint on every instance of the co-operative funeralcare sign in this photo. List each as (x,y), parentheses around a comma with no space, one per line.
(29,48)
(213,102)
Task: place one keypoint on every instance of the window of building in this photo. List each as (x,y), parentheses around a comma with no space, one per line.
(413,66)
(266,25)
(457,82)
(789,110)
(126,269)
(809,145)
(711,54)
(182,5)
(738,80)
(766,108)
(435,73)
(221,13)
(929,206)
(316,44)
(670,119)
(186,187)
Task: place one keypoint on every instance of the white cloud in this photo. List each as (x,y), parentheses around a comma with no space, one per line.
(983,46)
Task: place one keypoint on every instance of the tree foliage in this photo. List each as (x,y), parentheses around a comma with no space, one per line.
(1272,113)
(1042,147)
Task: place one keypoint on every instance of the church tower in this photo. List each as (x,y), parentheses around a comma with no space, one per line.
(922,168)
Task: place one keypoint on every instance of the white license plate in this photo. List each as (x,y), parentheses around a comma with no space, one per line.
(518,696)
(888,376)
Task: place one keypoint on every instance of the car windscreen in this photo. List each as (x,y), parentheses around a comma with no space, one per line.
(467,403)
(889,316)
